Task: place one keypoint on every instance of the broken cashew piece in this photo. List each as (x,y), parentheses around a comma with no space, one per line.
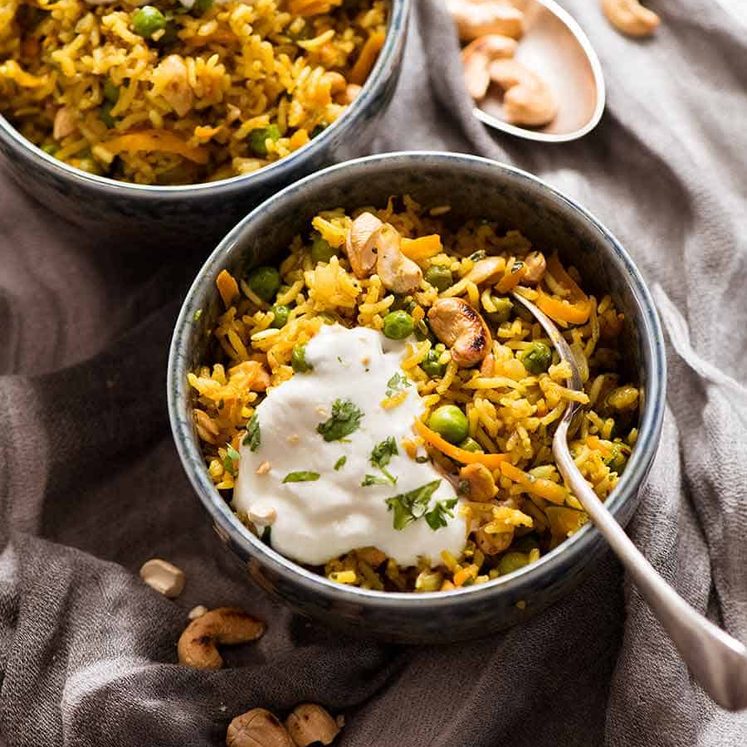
(163,576)
(462,328)
(477,56)
(475,18)
(359,244)
(309,724)
(536,265)
(492,544)
(480,480)
(630,17)
(198,644)
(398,273)
(527,99)
(488,269)
(257,728)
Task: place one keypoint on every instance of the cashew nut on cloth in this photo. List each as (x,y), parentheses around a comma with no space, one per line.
(198,644)
(476,58)
(475,18)
(462,328)
(311,724)
(630,17)
(257,728)
(527,99)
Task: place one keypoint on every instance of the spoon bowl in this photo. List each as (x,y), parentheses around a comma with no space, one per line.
(556,48)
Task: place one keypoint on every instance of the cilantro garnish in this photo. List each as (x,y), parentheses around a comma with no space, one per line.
(412,505)
(340,463)
(301,476)
(232,457)
(381,456)
(345,419)
(253,437)
(369,480)
(436,517)
(397,383)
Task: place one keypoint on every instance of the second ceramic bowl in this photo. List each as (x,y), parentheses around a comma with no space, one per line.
(475,188)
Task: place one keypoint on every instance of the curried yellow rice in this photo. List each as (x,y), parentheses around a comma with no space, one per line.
(226,87)
(510,410)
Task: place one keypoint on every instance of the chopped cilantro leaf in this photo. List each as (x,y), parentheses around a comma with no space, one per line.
(374,480)
(253,437)
(340,463)
(301,476)
(345,419)
(412,505)
(397,383)
(436,517)
(381,456)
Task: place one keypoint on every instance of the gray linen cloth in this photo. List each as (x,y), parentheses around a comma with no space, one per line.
(90,486)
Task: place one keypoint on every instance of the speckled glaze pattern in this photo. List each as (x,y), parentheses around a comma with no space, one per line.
(475,187)
(200,212)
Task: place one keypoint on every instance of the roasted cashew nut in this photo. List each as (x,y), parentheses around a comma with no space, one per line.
(535,265)
(480,483)
(475,18)
(398,273)
(462,328)
(198,644)
(492,544)
(359,244)
(476,58)
(257,728)
(164,577)
(310,724)
(488,269)
(630,17)
(527,99)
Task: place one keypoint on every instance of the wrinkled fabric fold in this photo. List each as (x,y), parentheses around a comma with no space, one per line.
(91,487)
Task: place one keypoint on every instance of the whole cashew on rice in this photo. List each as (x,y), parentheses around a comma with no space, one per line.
(630,17)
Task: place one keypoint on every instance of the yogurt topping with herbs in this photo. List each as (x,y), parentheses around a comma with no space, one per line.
(323,464)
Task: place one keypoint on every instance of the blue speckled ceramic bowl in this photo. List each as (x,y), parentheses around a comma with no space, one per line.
(475,187)
(176,216)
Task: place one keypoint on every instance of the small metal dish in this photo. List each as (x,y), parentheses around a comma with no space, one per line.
(556,48)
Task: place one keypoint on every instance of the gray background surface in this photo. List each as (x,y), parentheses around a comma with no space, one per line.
(90,486)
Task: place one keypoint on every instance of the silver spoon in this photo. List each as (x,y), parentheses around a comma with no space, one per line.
(556,48)
(717,661)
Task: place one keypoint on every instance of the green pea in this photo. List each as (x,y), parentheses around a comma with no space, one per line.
(503,309)
(537,358)
(439,277)
(321,251)
(616,461)
(50,148)
(318,130)
(264,281)
(111,92)
(280,312)
(202,6)
(430,364)
(398,325)
(258,139)
(527,543)
(298,359)
(147,20)
(511,562)
(450,422)
(469,444)
(105,114)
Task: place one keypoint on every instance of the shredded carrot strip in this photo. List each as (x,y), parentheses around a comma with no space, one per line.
(365,62)
(492,461)
(312,7)
(538,486)
(156,140)
(422,248)
(227,287)
(576,309)
(511,279)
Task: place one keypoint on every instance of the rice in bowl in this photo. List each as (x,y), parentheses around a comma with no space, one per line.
(182,92)
(505,486)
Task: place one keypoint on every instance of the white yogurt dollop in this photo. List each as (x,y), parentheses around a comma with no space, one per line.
(318,520)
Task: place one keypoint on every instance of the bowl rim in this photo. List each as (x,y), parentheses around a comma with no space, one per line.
(563,557)
(597,72)
(395,36)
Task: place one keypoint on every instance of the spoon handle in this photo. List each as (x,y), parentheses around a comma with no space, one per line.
(717,661)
